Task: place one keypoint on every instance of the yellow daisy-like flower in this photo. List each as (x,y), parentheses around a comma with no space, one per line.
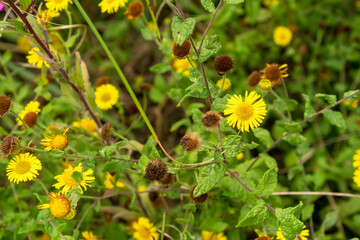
(210,235)
(59,205)
(110,180)
(59,141)
(106,96)
(181,66)
(304,234)
(245,113)
(145,230)
(35,59)
(87,124)
(356,158)
(24,44)
(31,107)
(88,235)
(46,16)
(111,6)
(282,36)
(275,73)
(57,5)
(66,180)
(227,84)
(23,167)
(356,177)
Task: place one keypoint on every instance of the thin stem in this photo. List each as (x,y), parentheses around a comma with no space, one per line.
(83,217)
(117,68)
(154,19)
(163,226)
(42,185)
(335,194)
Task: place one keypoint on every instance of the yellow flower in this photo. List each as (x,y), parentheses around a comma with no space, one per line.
(87,124)
(354,103)
(141,188)
(227,84)
(66,180)
(31,107)
(265,84)
(35,59)
(240,156)
(181,66)
(59,141)
(59,205)
(356,177)
(245,113)
(282,36)
(145,230)
(88,235)
(111,6)
(275,73)
(269,3)
(106,96)
(209,235)
(24,44)
(46,16)
(109,182)
(23,167)
(356,159)
(57,5)
(304,234)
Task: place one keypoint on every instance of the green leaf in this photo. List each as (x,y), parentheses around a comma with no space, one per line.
(329,221)
(117,166)
(213,224)
(309,110)
(182,30)
(233,1)
(295,139)
(208,5)
(267,183)
(335,118)
(331,99)
(219,104)
(77,176)
(210,47)
(256,215)
(56,154)
(294,127)
(183,122)
(348,93)
(108,151)
(288,220)
(209,176)
(233,145)
(72,39)
(18,25)
(149,152)
(160,68)
(264,136)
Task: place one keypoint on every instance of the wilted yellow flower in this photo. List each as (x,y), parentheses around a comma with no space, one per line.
(227,84)
(282,36)
(110,180)
(31,107)
(111,6)
(275,73)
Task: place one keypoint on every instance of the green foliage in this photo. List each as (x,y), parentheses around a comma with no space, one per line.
(209,176)
(208,5)
(335,118)
(182,30)
(210,47)
(258,214)
(267,184)
(264,136)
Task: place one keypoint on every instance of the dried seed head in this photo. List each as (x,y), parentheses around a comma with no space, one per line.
(199,199)
(30,119)
(132,109)
(145,87)
(135,10)
(5,105)
(32,145)
(101,80)
(211,120)
(156,170)
(7,146)
(223,64)
(254,78)
(153,196)
(106,131)
(181,51)
(168,179)
(190,142)
(43,102)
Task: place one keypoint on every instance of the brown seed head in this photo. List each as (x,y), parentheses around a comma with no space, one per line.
(254,78)
(272,72)
(156,170)
(211,120)
(145,87)
(5,105)
(132,109)
(101,80)
(7,146)
(106,131)
(168,179)
(153,196)
(199,199)
(190,142)
(223,64)
(30,119)
(43,102)
(135,10)
(32,145)
(181,51)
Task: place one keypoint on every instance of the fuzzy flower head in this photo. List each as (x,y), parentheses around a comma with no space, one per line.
(31,109)
(282,36)
(304,234)
(58,5)
(87,124)
(144,230)
(88,235)
(210,235)
(265,84)
(110,180)
(224,84)
(245,113)
(59,141)
(67,182)
(275,73)
(59,205)
(112,6)
(106,96)
(23,167)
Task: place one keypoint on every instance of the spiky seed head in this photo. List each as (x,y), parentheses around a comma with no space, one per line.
(223,64)
(181,51)
(211,120)
(254,78)
(190,142)
(156,170)
(5,105)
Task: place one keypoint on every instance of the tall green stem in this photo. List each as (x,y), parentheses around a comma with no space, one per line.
(117,68)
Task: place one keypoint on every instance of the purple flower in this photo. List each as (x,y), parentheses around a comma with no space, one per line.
(2,6)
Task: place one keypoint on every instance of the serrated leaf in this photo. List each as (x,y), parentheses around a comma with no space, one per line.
(77,176)
(335,118)
(331,99)
(348,93)
(208,5)
(210,47)
(233,1)
(267,183)
(256,215)
(219,104)
(309,110)
(294,127)
(288,220)
(209,176)
(182,30)
(56,154)
(117,166)
(108,151)
(264,136)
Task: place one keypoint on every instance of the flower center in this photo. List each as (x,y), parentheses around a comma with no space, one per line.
(59,142)
(69,181)
(105,97)
(22,167)
(272,72)
(244,111)
(144,232)
(59,206)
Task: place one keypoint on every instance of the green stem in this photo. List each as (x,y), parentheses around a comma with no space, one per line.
(153,18)
(163,226)
(117,68)
(42,185)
